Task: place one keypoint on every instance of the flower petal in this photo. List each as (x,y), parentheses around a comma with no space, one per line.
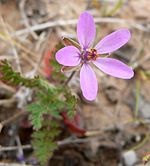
(114,68)
(85,30)
(113,41)
(88,82)
(68,56)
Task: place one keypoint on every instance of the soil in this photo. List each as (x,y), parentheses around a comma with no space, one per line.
(112,114)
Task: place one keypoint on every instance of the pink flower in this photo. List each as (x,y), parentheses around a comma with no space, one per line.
(72,56)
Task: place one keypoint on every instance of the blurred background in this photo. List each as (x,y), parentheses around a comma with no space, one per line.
(29,31)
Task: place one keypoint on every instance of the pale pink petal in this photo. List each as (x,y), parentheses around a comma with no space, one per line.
(68,56)
(85,30)
(113,41)
(114,68)
(88,82)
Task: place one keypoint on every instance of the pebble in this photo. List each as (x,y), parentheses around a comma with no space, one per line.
(129,158)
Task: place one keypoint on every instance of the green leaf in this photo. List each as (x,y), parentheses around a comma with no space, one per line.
(49,101)
(44,141)
(37,110)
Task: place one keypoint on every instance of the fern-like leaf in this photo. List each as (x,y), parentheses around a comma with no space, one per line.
(44,141)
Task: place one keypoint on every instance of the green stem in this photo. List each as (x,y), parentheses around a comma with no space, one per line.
(142,143)
(69,78)
(137,98)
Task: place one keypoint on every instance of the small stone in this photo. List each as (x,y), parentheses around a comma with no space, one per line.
(129,158)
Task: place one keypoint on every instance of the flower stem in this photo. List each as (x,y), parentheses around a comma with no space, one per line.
(69,78)
(137,98)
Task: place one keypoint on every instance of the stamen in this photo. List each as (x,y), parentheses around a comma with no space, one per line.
(90,54)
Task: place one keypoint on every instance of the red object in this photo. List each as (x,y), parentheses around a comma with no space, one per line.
(25,123)
(73,124)
(47,67)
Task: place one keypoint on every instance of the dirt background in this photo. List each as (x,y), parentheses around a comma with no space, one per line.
(121,112)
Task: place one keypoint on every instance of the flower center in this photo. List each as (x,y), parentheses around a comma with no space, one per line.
(90,54)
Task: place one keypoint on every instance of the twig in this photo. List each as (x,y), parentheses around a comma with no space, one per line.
(6,38)
(20,153)
(46,25)
(90,135)
(12,164)
(72,140)
(11,148)
(7,102)
(8,88)
(12,45)
(11,119)
(25,19)
(40,49)
(8,57)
